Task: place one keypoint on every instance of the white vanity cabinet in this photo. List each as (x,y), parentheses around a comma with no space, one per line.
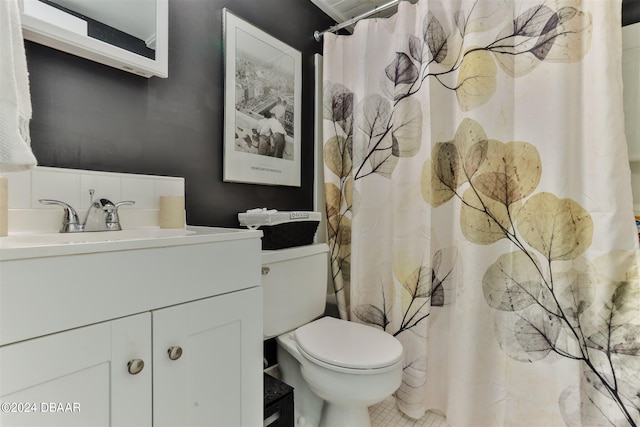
(187,311)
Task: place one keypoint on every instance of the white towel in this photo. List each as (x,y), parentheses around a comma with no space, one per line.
(15,99)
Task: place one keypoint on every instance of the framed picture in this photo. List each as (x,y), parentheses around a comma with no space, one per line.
(263,79)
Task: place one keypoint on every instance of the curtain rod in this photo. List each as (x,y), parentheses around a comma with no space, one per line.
(318,34)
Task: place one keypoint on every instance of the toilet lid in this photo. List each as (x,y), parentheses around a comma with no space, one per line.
(348,344)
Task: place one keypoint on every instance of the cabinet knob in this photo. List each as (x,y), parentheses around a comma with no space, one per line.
(265,271)
(175,352)
(135,366)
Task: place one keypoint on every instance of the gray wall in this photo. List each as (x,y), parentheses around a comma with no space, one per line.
(630,12)
(90,116)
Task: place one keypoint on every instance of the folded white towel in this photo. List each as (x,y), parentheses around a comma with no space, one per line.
(15,98)
(261,210)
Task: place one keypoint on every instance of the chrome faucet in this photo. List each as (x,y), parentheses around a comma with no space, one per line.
(102,215)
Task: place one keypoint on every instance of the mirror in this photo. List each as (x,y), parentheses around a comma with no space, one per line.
(131,35)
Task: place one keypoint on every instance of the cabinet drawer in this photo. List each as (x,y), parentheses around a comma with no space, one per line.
(41,296)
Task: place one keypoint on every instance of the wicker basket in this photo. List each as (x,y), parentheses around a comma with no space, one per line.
(282,229)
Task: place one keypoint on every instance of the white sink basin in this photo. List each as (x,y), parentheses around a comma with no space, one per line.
(30,245)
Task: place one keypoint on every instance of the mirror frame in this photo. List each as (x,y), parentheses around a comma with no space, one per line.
(49,34)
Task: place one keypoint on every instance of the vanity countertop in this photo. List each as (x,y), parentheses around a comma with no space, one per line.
(37,245)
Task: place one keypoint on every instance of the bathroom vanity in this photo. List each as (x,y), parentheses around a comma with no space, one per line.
(156,327)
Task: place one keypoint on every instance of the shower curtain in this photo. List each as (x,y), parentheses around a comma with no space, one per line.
(479,207)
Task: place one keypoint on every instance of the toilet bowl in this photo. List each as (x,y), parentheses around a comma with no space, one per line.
(337,368)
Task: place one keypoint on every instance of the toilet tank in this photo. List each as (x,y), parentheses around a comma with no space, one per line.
(294,287)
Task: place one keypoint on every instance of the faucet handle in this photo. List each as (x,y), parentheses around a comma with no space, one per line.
(70,221)
(113,220)
(124,203)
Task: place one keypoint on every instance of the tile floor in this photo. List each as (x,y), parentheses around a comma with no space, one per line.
(386,414)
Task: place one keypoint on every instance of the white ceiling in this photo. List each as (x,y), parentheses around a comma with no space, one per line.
(343,10)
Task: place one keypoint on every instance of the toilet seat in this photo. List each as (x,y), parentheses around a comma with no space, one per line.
(341,345)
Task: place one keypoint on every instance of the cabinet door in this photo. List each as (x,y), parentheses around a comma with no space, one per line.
(131,392)
(78,378)
(217,380)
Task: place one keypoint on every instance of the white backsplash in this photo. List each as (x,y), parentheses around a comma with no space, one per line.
(72,186)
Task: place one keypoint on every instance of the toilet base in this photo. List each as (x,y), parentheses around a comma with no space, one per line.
(334,415)
(327,397)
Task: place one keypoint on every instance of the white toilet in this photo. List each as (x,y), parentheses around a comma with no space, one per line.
(337,368)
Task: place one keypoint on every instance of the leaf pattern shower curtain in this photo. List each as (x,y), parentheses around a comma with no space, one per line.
(479,207)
